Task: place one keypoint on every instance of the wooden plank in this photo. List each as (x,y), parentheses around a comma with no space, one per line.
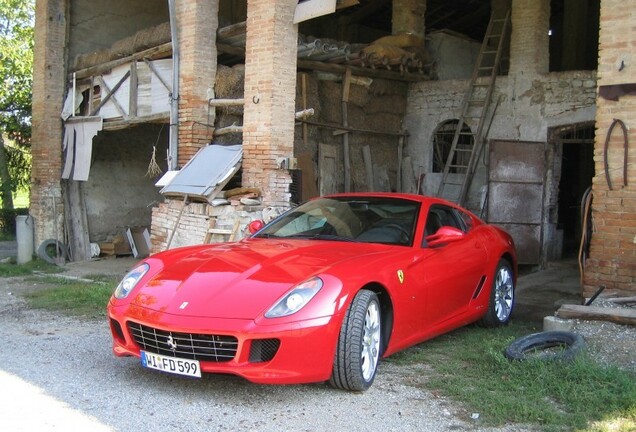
(346,85)
(309,185)
(134,90)
(361,71)
(110,93)
(123,124)
(339,130)
(368,166)
(303,92)
(615,315)
(328,169)
(398,181)
(77,222)
(623,300)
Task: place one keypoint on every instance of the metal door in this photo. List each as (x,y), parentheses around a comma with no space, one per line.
(515,194)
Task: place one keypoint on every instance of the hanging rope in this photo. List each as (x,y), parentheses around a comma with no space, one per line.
(153,167)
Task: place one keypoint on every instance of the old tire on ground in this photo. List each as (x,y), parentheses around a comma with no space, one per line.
(358,352)
(51,249)
(550,345)
(502,296)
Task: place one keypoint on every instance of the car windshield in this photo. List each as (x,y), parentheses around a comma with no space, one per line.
(359,219)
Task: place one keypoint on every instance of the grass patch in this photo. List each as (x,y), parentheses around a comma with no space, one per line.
(35,266)
(73,298)
(470,367)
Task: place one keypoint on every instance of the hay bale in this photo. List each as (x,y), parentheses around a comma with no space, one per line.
(229,81)
(152,37)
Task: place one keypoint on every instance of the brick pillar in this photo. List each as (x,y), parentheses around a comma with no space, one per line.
(49,84)
(612,260)
(270,93)
(197,22)
(529,41)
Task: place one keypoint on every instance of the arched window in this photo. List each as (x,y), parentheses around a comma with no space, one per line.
(442,142)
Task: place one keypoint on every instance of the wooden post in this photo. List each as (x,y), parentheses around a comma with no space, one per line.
(368,164)
(346,85)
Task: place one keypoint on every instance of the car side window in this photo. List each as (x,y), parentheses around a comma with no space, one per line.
(440,215)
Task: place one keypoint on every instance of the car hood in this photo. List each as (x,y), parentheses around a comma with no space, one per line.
(239,280)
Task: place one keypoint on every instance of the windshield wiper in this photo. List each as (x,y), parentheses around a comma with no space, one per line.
(319,236)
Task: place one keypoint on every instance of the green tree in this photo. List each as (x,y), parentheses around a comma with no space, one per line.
(16,79)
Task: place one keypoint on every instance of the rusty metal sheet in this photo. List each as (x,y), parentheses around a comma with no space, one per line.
(515,194)
(515,203)
(517,161)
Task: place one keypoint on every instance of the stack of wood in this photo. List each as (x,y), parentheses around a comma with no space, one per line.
(117,246)
(243,196)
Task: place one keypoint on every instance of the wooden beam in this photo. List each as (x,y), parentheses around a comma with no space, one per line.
(360,71)
(154,70)
(134,121)
(226,102)
(110,94)
(615,315)
(342,129)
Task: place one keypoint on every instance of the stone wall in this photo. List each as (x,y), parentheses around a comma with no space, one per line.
(612,259)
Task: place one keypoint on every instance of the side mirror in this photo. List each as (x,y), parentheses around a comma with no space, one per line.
(445,234)
(255,225)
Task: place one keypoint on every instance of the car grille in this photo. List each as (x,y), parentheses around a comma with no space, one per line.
(202,347)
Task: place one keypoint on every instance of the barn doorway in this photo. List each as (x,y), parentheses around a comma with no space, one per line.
(576,148)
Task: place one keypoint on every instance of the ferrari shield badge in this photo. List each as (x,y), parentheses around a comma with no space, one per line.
(400,275)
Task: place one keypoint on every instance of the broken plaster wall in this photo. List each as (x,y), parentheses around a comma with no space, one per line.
(527,106)
(119,192)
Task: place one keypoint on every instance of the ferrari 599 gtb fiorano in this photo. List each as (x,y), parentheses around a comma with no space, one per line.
(321,293)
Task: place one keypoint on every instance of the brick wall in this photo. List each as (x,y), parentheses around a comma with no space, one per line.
(197,24)
(529,37)
(270,90)
(612,260)
(48,91)
(188,226)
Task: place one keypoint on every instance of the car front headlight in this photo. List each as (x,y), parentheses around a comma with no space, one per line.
(295,299)
(130,281)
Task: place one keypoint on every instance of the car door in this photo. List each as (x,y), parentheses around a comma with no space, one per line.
(450,272)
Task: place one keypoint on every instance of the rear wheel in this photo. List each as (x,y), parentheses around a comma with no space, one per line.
(502,296)
(358,350)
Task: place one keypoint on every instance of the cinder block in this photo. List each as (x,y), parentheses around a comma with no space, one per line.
(552,323)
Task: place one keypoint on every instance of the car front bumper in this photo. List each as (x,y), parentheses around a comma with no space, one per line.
(304,354)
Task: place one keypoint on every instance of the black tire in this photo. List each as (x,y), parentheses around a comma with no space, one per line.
(52,251)
(546,346)
(502,296)
(358,352)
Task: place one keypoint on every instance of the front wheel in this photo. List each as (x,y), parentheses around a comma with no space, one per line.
(358,350)
(502,296)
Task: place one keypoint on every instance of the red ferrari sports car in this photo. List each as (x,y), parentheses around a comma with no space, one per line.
(320,293)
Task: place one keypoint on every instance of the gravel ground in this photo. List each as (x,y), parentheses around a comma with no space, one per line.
(59,374)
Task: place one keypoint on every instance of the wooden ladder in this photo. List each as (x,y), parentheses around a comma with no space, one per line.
(212,230)
(464,152)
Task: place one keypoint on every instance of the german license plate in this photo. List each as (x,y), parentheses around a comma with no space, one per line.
(173,365)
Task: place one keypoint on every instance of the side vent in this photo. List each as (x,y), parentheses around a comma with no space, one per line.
(480,286)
